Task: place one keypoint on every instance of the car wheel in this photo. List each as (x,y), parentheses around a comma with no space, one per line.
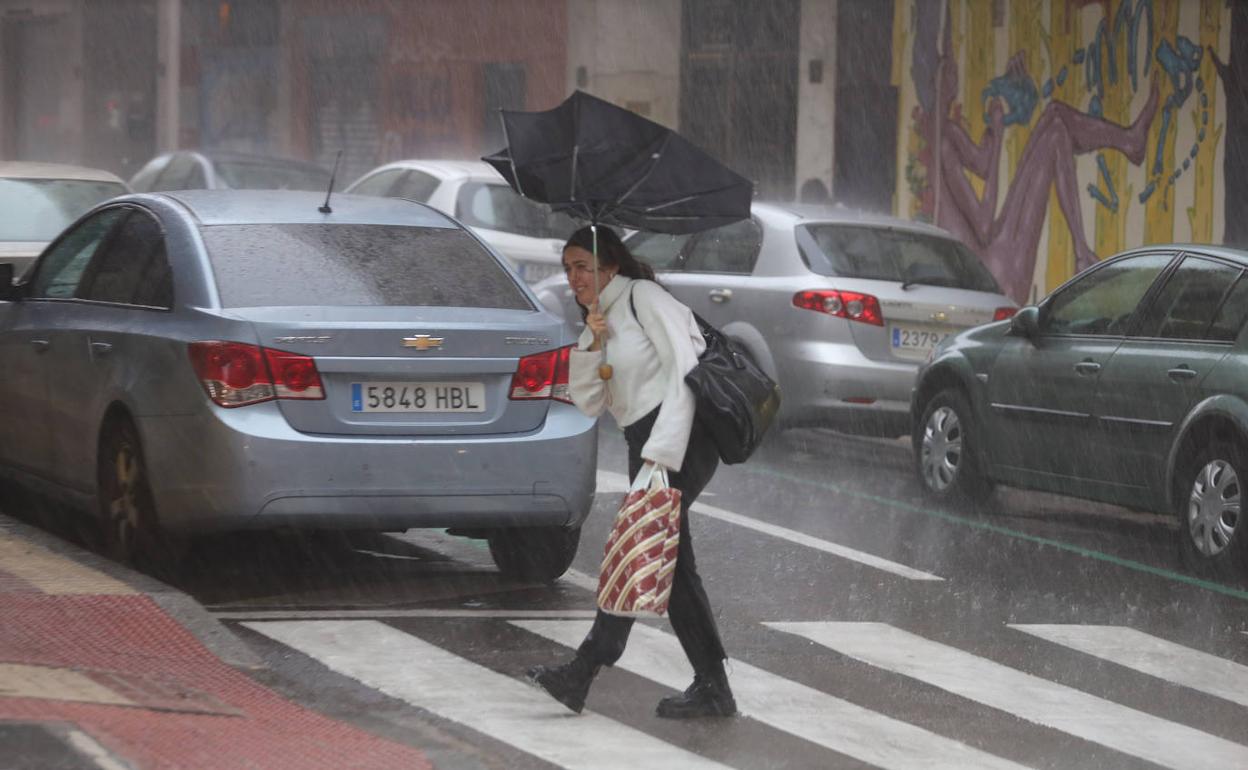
(534,554)
(132,531)
(945,450)
(1212,534)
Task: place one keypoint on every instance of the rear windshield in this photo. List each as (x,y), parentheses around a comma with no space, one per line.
(892,255)
(39,209)
(258,175)
(351,265)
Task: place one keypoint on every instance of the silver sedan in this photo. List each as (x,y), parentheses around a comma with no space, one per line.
(840,307)
(227,360)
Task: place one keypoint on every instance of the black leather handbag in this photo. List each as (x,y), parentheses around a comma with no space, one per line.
(736,400)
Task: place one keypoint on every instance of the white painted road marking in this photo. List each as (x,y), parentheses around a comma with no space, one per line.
(424,675)
(227,614)
(1029,697)
(788,706)
(1153,656)
(617,482)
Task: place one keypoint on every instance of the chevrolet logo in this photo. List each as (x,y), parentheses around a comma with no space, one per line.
(422,342)
(940,316)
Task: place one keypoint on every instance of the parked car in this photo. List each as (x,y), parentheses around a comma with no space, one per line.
(1128,384)
(39,200)
(527,233)
(839,307)
(189,170)
(232,360)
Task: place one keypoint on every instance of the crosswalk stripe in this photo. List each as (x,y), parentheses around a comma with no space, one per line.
(789,706)
(429,677)
(240,615)
(617,482)
(1153,656)
(1029,697)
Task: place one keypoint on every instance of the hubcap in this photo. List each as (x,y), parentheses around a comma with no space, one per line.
(124,511)
(1213,507)
(941,450)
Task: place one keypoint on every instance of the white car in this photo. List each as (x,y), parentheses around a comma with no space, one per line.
(39,200)
(526,233)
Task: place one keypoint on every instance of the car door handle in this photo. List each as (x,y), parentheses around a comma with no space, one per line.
(101,349)
(1087,367)
(1182,373)
(720,295)
(40,346)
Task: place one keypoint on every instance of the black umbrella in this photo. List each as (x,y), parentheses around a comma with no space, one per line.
(604,164)
(595,161)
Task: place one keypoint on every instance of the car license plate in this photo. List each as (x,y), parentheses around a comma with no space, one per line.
(417,397)
(916,341)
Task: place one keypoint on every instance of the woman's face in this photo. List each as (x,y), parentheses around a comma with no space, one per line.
(578,266)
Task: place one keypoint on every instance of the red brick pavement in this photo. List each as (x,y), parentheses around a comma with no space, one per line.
(194,711)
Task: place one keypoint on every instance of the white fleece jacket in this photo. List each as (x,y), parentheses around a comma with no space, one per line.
(650,360)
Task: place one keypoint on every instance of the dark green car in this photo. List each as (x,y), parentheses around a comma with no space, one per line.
(1128,384)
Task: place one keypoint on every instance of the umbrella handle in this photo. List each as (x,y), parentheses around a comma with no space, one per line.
(605,371)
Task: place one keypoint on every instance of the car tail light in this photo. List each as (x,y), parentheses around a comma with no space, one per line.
(543,375)
(1002,313)
(852,305)
(237,374)
(294,376)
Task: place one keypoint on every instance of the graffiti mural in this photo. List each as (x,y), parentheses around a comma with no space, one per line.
(1098,125)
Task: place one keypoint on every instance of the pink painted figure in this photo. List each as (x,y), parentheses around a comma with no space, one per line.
(1007,240)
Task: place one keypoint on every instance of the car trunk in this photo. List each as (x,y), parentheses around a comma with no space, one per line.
(409,371)
(927,284)
(917,318)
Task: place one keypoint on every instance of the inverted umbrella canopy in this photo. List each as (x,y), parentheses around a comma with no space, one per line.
(599,162)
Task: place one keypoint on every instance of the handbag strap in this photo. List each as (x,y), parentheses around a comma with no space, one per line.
(633,308)
(648,476)
(704,328)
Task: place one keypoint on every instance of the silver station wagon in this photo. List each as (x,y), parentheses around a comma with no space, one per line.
(838,306)
(230,360)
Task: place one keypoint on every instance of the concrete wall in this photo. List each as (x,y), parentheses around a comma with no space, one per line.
(630,51)
(816,102)
(67,122)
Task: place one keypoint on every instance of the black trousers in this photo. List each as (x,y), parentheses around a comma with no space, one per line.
(689,609)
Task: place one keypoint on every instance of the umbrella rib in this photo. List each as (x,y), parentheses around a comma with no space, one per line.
(655,158)
(696,195)
(511,156)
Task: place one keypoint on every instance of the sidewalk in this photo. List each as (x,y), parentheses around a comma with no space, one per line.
(101,667)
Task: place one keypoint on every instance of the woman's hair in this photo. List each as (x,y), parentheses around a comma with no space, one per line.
(611,251)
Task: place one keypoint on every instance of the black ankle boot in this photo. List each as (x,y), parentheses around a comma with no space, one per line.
(568,684)
(708,696)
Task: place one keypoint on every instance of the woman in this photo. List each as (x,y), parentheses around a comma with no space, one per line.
(651,342)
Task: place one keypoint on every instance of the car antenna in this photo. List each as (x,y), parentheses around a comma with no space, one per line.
(324,208)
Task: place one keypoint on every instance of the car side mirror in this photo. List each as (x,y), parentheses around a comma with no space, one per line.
(1026,323)
(8,292)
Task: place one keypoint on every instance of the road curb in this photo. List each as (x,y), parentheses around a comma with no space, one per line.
(183,609)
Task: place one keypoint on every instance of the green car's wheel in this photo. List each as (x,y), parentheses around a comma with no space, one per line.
(945,450)
(1213,534)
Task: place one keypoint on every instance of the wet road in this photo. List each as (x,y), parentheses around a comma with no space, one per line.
(867,627)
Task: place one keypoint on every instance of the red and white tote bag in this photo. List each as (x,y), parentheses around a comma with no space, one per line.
(640,559)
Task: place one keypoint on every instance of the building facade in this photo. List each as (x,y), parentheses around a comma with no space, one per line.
(1044,133)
